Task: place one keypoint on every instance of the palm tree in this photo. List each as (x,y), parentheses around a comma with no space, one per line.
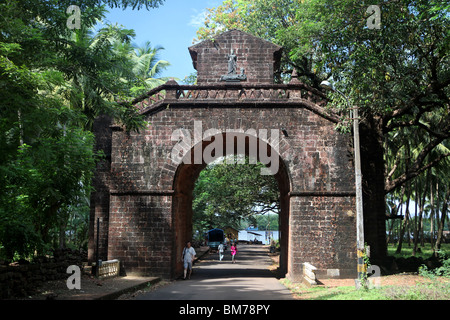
(98,72)
(148,68)
(428,189)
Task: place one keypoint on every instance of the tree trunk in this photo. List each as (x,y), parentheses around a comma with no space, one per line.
(62,232)
(390,232)
(432,217)
(405,222)
(62,238)
(393,223)
(422,237)
(421,201)
(373,185)
(442,222)
(416,218)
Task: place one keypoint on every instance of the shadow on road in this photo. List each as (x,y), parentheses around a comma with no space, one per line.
(251,261)
(247,279)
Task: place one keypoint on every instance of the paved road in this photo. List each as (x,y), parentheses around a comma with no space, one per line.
(248,279)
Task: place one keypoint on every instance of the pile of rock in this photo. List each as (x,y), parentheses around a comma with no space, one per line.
(392,265)
(22,278)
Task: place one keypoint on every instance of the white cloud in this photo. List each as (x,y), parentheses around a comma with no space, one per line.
(198,18)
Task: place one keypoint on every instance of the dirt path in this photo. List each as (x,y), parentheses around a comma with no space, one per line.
(402,279)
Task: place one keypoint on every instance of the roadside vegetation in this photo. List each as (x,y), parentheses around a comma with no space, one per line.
(425,284)
(428,290)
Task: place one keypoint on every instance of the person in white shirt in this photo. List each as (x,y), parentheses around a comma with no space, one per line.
(221,247)
(188,257)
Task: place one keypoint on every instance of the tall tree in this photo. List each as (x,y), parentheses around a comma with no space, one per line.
(52,79)
(148,68)
(98,74)
(227,193)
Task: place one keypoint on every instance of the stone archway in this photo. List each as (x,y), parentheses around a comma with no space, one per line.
(140,191)
(187,174)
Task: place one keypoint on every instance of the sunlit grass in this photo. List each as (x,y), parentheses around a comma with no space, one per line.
(301,291)
(407,250)
(434,290)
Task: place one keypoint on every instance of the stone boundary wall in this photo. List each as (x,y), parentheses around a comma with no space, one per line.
(19,280)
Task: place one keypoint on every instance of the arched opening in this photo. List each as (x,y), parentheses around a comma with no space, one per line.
(211,149)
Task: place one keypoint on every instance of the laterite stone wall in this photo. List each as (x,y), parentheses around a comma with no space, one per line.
(259,58)
(145,199)
(144,233)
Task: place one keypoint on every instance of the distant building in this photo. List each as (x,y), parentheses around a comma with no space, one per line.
(230,233)
(446,235)
(260,235)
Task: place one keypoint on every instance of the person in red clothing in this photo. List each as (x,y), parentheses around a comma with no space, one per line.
(233,249)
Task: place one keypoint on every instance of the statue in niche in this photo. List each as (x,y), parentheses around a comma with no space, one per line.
(232,63)
(232,76)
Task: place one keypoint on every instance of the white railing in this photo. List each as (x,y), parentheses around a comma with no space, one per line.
(110,268)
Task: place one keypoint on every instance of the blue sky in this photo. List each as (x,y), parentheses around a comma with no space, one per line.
(172,26)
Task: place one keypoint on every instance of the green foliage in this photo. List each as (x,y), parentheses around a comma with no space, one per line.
(40,184)
(18,237)
(267,221)
(54,81)
(134,4)
(434,290)
(191,79)
(225,194)
(426,251)
(442,271)
(147,68)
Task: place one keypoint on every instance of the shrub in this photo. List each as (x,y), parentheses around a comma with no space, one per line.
(442,271)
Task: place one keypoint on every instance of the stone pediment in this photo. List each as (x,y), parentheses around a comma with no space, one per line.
(235,56)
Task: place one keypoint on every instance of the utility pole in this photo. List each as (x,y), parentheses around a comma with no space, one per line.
(359,200)
(361,266)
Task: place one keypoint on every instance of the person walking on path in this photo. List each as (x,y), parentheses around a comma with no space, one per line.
(188,257)
(221,247)
(233,250)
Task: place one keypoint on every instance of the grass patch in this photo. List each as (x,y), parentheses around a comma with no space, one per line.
(435,290)
(304,292)
(425,252)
